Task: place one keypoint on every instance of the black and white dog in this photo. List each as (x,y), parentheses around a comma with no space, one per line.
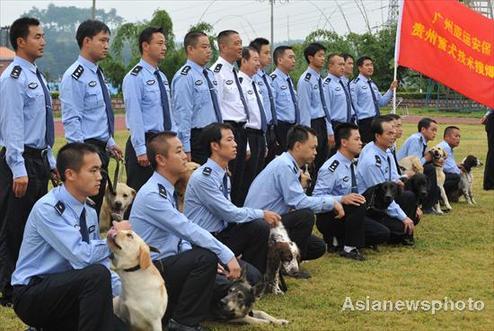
(466,178)
(237,306)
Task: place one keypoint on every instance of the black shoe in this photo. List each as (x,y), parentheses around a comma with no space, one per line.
(301,274)
(408,242)
(431,211)
(354,254)
(175,326)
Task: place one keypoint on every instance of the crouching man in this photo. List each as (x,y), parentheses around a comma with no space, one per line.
(188,255)
(62,280)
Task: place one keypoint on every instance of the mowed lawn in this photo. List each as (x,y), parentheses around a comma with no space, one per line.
(453,260)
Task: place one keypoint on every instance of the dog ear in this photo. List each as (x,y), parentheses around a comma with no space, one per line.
(133,192)
(144,257)
(258,289)
(243,274)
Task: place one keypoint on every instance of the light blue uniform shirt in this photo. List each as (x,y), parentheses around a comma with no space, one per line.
(362,97)
(263,91)
(414,145)
(450,163)
(334,177)
(22,114)
(192,103)
(155,218)
(278,188)
(336,98)
(52,242)
(285,109)
(83,106)
(309,96)
(206,205)
(143,108)
(372,169)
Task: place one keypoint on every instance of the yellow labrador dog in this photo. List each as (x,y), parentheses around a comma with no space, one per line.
(114,205)
(411,165)
(439,155)
(181,184)
(143,300)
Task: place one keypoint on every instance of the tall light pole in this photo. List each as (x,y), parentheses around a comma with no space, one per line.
(93,11)
(272,22)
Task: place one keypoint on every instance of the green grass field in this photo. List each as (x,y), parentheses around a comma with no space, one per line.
(453,259)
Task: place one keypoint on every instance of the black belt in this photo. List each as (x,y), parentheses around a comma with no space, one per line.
(98,143)
(30,152)
(286,123)
(255,131)
(235,124)
(318,119)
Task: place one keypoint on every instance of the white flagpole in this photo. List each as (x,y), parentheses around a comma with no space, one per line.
(397,52)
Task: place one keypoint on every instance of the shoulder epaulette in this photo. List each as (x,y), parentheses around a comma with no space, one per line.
(162,191)
(378,160)
(136,70)
(218,67)
(295,169)
(59,207)
(185,70)
(90,202)
(356,80)
(307,76)
(16,71)
(78,72)
(334,165)
(207,171)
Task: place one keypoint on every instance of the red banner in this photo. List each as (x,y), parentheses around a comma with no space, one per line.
(450,43)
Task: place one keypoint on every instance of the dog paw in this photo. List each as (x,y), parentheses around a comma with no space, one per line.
(280,322)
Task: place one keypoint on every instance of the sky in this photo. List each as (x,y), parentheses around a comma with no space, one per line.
(294,19)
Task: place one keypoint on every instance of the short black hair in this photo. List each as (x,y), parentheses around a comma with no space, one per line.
(377,125)
(278,52)
(425,123)
(360,61)
(191,38)
(312,49)
(343,131)
(20,29)
(223,35)
(147,35)
(258,43)
(347,56)
(394,116)
(246,54)
(71,156)
(90,28)
(331,56)
(158,144)
(298,133)
(212,134)
(450,128)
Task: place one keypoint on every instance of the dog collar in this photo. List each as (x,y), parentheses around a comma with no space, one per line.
(137,267)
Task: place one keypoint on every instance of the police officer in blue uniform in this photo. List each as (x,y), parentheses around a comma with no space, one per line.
(488,121)
(366,97)
(416,145)
(337,93)
(375,166)
(207,202)
(348,72)
(87,115)
(27,134)
(451,140)
(288,112)
(311,98)
(257,126)
(278,188)
(147,104)
(188,254)
(195,96)
(337,178)
(62,279)
(265,84)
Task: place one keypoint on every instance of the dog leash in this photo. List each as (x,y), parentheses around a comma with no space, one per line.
(116,177)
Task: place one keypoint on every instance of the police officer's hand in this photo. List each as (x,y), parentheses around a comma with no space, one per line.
(393,85)
(353,199)
(189,156)
(419,213)
(338,209)
(271,218)
(55,177)
(116,152)
(234,269)
(143,160)
(331,140)
(20,186)
(122,225)
(409,226)
(247,155)
(400,184)
(483,120)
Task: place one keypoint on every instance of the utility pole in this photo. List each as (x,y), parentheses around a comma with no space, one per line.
(93,11)
(272,23)
(288,27)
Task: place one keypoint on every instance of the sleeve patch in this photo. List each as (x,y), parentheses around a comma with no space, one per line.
(307,77)
(16,71)
(378,160)
(59,207)
(334,165)
(185,70)
(78,72)
(207,171)
(162,191)
(136,70)
(218,67)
